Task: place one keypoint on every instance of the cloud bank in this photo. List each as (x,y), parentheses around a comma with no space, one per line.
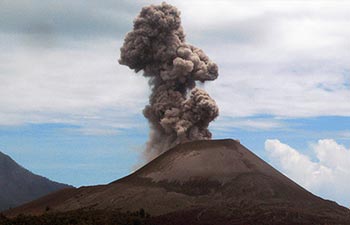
(283,60)
(328,175)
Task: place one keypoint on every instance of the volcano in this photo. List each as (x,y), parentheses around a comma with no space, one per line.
(202,182)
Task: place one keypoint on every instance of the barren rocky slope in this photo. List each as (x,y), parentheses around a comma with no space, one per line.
(205,182)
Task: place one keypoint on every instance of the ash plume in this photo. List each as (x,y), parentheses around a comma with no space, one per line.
(177,110)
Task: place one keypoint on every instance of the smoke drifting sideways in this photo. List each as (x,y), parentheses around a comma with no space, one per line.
(178,111)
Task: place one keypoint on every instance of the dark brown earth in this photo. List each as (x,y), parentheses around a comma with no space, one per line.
(202,182)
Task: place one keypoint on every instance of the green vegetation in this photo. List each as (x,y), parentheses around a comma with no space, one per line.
(80,217)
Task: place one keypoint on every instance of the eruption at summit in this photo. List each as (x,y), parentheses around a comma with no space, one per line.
(178,111)
(195,181)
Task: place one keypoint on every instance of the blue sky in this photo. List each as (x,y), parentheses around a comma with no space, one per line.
(70,112)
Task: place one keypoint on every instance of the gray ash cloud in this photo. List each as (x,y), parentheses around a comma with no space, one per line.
(177,110)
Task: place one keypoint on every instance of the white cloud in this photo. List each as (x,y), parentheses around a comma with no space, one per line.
(278,59)
(82,86)
(227,123)
(282,59)
(289,65)
(327,177)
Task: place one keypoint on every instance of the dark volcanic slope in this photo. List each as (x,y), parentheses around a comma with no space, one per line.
(204,182)
(18,185)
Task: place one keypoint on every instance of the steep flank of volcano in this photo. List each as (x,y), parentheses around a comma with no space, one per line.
(205,182)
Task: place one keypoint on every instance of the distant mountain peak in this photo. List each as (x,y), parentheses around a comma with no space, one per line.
(18,185)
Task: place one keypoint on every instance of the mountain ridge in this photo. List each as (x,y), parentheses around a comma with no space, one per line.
(18,185)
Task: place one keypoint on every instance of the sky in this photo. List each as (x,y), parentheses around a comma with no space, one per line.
(70,112)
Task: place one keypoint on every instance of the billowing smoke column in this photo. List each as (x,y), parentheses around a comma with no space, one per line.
(177,110)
